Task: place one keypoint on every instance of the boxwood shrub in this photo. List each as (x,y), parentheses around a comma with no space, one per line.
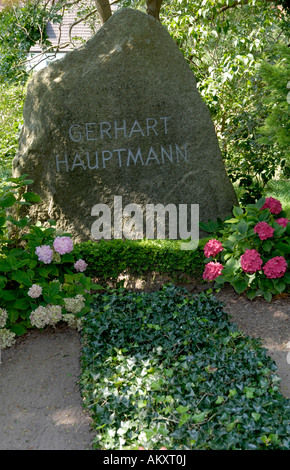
(169,369)
(108,259)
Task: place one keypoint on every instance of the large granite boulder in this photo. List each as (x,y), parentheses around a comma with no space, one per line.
(120,119)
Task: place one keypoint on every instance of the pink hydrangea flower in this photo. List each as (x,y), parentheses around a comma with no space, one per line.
(44,253)
(212,248)
(274,205)
(80,265)
(282,221)
(63,245)
(275,267)
(264,230)
(35,291)
(212,271)
(251,261)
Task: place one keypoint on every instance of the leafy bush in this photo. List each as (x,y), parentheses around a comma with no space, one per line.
(108,259)
(252,253)
(169,369)
(11,119)
(41,282)
(276,128)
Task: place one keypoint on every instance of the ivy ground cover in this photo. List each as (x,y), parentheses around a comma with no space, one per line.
(169,369)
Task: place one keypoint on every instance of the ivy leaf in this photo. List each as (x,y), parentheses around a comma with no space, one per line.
(219,400)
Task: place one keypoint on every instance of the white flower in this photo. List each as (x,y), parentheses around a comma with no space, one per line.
(35,291)
(49,315)
(7,338)
(74,304)
(3,317)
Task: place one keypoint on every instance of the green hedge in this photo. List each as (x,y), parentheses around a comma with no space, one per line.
(108,259)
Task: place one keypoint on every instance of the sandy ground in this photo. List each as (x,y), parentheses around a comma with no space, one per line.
(40,401)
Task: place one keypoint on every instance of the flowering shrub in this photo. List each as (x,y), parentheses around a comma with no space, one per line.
(275,267)
(252,250)
(41,282)
(212,248)
(264,230)
(212,270)
(274,206)
(251,261)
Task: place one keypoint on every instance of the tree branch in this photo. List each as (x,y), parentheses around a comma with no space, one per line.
(83,18)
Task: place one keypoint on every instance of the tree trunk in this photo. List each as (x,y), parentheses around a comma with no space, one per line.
(104,10)
(153,8)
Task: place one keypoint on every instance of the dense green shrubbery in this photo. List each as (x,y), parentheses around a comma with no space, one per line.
(170,369)
(11,119)
(108,259)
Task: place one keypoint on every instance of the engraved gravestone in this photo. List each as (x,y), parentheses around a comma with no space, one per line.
(120,119)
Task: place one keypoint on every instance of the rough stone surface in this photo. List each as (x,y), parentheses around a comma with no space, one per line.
(120,116)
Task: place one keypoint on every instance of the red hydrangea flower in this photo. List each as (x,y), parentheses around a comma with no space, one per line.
(212,271)
(275,267)
(212,248)
(282,221)
(273,205)
(264,230)
(251,261)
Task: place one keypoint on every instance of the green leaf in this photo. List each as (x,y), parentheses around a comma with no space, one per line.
(42,272)
(279,285)
(267,245)
(21,277)
(283,248)
(229,245)
(237,211)
(231,267)
(67,258)
(69,278)
(199,417)
(3,281)
(13,314)
(219,400)
(21,304)
(9,295)
(18,328)
(240,286)
(259,204)
(7,200)
(31,197)
(267,296)
(256,416)
(184,419)
(242,227)
(251,293)
(231,221)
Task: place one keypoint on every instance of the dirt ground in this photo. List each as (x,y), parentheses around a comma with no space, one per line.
(40,401)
